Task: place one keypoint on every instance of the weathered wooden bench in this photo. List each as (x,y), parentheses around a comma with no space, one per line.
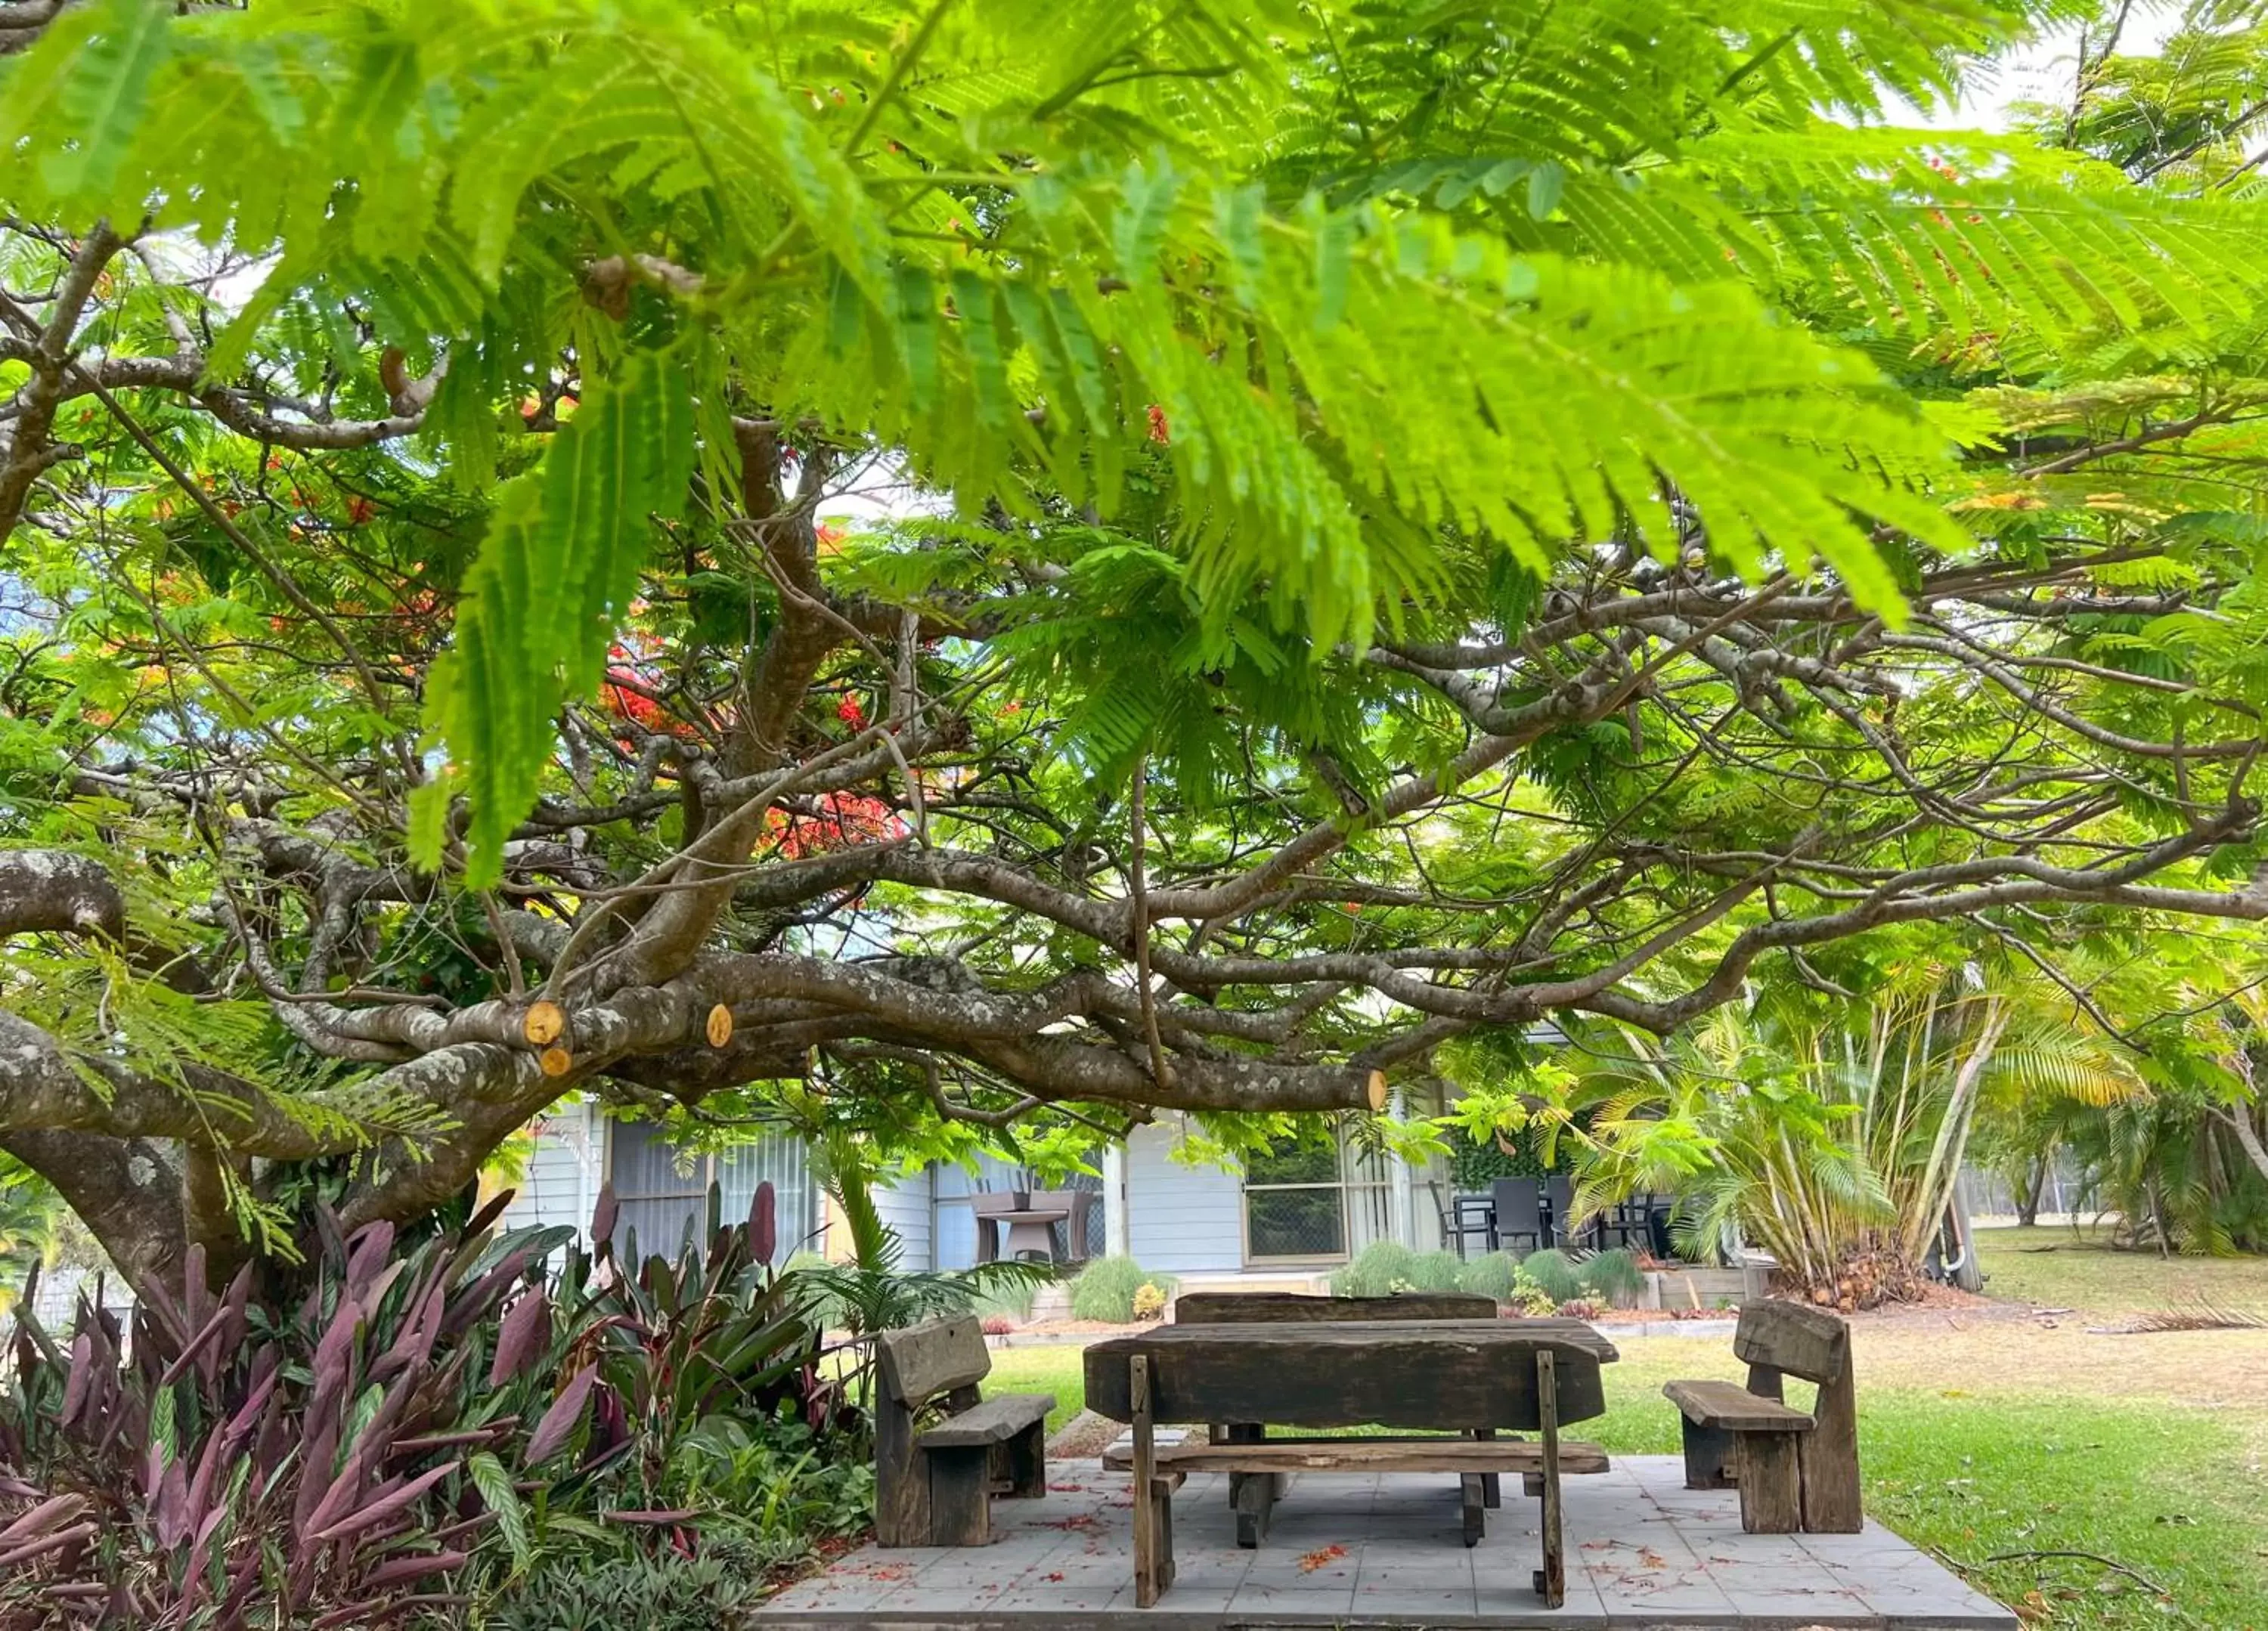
(1253,1494)
(1795,1470)
(1440,1376)
(934,1486)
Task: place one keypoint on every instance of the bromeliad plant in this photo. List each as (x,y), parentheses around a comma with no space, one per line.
(689,1361)
(334,1455)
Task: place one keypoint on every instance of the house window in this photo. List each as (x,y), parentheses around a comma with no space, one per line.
(664,1190)
(1313,1198)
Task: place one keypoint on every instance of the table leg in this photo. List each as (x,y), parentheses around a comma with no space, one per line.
(1148,1569)
(1551,1579)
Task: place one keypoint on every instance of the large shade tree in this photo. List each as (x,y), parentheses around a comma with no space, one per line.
(1407,521)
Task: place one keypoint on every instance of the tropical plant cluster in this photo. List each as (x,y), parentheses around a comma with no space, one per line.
(419,1430)
(1833,1138)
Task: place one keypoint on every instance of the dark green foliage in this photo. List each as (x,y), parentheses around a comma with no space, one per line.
(1476,1163)
(680,1345)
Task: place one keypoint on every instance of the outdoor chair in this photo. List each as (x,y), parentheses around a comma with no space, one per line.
(1559,1202)
(935,1485)
(1073,1204)
(1794,1470)
(1519,1213)
(1464,1214)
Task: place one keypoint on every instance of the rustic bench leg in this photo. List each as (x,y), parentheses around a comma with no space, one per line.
(1150,1578)
(1253,1494)
(1492,1483)
(1708,1455)
(1475,1503)
(960,1496)
(1162,1525)
(1237,1433)
(901,1481)
(1828,1456)
(1028,1463)
(1551,1579)
(1767,1467)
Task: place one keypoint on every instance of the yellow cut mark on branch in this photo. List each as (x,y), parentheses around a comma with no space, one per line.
(544,1024)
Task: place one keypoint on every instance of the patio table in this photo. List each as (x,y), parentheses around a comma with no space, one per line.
(1447,1376)
(1031,1230)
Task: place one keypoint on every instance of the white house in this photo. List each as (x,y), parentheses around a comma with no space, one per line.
(1285,1221)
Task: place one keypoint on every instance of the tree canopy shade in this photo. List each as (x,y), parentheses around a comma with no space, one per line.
(1412,519)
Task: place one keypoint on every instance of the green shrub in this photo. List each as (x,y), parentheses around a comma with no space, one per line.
(1013,1298)
(1613,1277)
(1489,1275)
(1105,1290)
(1380,1269)
(1436,1271)
(1554,1274)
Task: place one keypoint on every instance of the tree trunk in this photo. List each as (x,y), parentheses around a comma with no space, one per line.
(2030,1187)
(2248,1137)
(129,1193)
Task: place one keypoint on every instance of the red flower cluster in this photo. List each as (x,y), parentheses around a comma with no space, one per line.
(843,820)
(1161,431)
(625,700)
(850,714)
(628,695)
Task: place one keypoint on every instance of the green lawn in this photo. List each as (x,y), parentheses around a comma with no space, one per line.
(2175,1493)
(2052,1266)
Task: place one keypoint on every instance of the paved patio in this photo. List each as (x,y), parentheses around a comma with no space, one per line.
(1382,1550)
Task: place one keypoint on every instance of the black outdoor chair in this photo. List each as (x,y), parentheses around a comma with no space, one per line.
(1657,1227)
(1462,1215)
(1559,1201)
(1518,1214)
(1641,1222)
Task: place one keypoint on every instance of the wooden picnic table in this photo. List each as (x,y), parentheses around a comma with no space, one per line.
(1444,1375)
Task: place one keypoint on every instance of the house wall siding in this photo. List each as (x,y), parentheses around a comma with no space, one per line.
(905,1207)
(1182,1219)
(561,1184)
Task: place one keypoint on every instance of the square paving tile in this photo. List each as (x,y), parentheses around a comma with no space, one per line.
(1387,1551)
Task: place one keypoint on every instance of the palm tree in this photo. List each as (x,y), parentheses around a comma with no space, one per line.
(1831,1134)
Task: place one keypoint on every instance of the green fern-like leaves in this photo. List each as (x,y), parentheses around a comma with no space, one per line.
(560,564)
(91,77)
